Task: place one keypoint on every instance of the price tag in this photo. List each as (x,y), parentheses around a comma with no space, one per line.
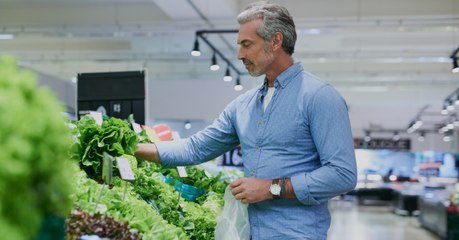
(136,127)
(125,169)
(182,171)
(107,168)
(97,116)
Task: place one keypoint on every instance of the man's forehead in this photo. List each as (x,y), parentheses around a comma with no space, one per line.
(248,31)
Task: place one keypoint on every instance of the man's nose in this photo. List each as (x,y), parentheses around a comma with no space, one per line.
(240,54)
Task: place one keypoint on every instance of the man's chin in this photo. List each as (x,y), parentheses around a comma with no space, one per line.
(255,74)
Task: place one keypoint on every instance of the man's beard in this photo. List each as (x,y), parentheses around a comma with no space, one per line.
(269,55)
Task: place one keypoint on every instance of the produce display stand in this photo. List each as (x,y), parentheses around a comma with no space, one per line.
(453,226)
(52,227)
(433,214)
(185,202)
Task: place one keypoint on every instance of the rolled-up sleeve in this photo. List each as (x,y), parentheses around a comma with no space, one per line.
(301,189)
(331,132)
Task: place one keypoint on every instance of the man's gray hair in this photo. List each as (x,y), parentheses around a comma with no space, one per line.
(275,18)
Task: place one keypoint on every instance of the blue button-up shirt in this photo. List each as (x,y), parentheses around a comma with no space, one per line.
(304,134)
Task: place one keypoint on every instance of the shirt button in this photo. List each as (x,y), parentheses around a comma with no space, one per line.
(252,173)
(257,147)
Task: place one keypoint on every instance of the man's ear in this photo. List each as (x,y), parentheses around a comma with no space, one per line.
(276,42)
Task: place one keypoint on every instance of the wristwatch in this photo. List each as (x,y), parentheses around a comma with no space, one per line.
(275,189)
(282,185)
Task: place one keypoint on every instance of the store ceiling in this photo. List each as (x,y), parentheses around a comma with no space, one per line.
(389,59)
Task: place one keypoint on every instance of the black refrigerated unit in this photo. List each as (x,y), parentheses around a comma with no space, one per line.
(116,94)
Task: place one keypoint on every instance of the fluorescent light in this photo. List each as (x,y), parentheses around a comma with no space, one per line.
(309,31)
(369,89)
(6,36)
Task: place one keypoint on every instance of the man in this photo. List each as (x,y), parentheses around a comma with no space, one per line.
(294,132)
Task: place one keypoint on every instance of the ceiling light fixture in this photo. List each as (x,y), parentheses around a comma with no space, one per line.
(449,102)
(454,57)
(456,122)
(238,86)
(367,137)
(444,111)
(455,66)
(416,122)
(227,77)
(202,35)
(421,137)
(447,138)
(450,105)
(396,136)
(187,125)
(214,66)
(195,52)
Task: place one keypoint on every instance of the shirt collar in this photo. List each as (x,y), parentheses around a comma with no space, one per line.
(285,77)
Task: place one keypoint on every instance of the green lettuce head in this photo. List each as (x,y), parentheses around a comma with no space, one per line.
(36,173)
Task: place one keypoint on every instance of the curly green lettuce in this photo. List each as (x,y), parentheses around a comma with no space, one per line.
(36,173)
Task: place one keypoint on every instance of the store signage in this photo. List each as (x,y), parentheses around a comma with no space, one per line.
(382,143)
(232,158)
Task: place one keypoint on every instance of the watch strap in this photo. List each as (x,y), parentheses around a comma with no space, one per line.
(276,181)
(282,185)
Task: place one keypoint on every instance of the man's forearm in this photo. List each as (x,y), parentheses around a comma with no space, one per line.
(147,151)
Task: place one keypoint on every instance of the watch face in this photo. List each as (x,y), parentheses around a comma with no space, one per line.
(275,189)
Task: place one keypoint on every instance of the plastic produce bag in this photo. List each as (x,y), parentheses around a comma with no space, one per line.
(233,223)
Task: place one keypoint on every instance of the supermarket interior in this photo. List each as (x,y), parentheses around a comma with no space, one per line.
(83,83)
